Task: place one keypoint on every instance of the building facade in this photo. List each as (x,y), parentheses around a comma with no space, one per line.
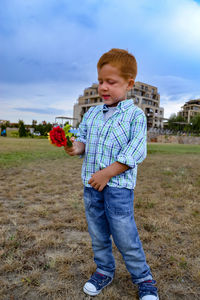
(144,95)
(3,122)
(190,109)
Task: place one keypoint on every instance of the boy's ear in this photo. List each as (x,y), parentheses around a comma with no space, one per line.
(131,82)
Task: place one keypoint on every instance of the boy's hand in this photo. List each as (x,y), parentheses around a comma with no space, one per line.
(99,180)
(77,148)
(71,150)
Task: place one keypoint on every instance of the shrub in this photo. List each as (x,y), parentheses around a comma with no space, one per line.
(22,129)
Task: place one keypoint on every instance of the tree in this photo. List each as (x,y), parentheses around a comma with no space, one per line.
(176,123)
(7,123)
(22,129)
(43,128)
(48,127)
(34,123)
(195,123)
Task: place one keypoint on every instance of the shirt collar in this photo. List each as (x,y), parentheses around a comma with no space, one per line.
(122,105)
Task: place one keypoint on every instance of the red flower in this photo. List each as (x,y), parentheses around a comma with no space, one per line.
(57,136)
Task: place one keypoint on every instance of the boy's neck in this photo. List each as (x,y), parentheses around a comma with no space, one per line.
(116,104)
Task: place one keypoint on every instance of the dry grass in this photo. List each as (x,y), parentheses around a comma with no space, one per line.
(45,249)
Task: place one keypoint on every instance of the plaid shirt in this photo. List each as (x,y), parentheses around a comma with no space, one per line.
(121,138)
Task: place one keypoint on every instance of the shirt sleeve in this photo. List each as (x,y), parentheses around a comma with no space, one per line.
(136,150)
(82,130)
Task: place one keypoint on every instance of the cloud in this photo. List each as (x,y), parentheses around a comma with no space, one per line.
(46,39)
(63,40)
(172,107)
(175,85)
(175,91)
(40,101)
(44,111)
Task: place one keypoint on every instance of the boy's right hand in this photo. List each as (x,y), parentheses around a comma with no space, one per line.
(73,149)
(77,148)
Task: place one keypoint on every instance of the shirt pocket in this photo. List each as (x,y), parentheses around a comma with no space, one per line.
(93,130)
(120,134)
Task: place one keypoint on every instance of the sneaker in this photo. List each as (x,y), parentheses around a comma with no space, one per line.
(148,290)
(96,283)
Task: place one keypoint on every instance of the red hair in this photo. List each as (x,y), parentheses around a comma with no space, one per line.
(122,59)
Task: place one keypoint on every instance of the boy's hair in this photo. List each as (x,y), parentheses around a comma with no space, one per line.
(122,59)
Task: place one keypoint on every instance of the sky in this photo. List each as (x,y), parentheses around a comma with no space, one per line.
(49,50)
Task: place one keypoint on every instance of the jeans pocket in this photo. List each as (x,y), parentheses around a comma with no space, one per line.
(120,202)
(87,197)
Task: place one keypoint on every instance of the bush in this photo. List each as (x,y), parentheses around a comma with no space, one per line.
(195,123)
(43,129)
(22,129)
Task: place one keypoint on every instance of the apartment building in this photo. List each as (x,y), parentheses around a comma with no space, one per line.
(3,122)
(190,109)
(144,95)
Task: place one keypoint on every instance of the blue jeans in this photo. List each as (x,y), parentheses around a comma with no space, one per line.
(110,212)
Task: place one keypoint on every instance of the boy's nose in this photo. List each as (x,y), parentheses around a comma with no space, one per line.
(104,86)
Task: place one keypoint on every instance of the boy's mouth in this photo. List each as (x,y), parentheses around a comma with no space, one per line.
(105,97)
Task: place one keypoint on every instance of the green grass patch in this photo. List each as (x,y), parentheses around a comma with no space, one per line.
(13,133)
(16,151)
(173,148)
(17,158)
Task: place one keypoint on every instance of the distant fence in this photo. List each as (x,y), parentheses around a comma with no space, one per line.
(166,136)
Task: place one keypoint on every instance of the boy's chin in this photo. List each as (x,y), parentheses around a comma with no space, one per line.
(112,104)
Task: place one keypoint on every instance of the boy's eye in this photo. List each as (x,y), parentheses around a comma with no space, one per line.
(111,81)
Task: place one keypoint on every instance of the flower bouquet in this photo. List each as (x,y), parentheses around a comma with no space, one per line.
(61,137)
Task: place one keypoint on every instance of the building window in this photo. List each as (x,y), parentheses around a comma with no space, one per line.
(129,94)
(137,100)
(144,101)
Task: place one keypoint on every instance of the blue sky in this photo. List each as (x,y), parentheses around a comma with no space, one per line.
(49,50)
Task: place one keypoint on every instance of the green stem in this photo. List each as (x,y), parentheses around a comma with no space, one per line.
(69,143)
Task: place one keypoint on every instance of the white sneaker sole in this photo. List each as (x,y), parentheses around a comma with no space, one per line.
(153,299)
(91,293)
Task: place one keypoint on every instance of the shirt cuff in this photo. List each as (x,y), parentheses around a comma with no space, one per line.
(129,161)
(82,140)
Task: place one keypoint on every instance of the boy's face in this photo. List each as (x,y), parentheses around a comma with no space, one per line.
(112,86)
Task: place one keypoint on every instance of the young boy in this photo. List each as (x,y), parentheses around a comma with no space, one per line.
(113,138)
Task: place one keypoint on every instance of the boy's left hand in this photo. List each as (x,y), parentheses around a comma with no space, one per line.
(99,180)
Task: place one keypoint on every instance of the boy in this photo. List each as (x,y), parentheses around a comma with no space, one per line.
(113,138)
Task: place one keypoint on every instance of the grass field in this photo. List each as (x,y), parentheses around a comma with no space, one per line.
(45,250)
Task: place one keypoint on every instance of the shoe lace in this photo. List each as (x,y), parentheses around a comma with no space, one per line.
(98,279)
(147,288)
